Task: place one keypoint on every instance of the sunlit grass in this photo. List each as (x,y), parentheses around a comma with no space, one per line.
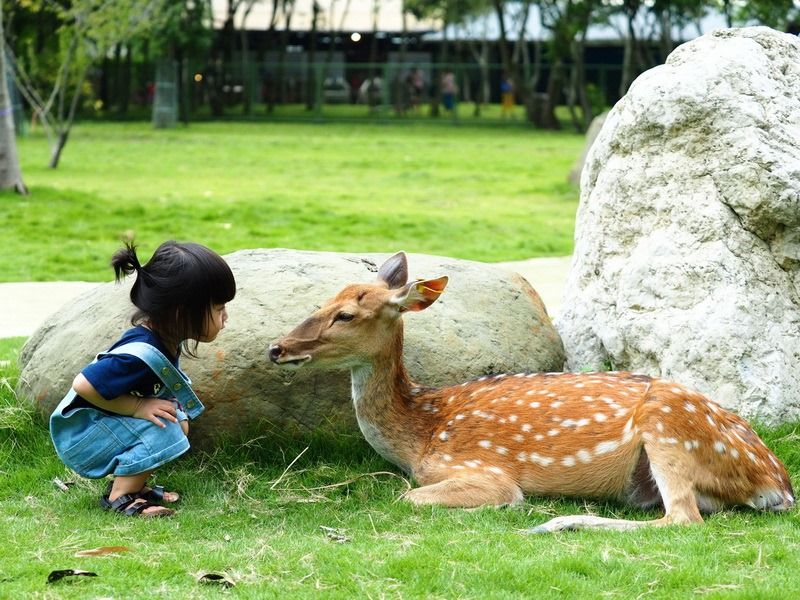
(482,193)
(330,526)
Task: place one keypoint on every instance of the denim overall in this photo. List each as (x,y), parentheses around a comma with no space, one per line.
(94,443)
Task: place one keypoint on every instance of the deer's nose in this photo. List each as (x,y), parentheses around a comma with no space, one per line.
(275,352)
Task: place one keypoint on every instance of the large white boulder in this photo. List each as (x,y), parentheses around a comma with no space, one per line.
(487,321)
(687,244)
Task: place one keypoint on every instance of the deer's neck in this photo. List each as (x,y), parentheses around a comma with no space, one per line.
(385,408)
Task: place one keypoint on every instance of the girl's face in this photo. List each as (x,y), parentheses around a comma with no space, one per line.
(215,322)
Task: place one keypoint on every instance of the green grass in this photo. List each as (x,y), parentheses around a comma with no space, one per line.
(474,192)
(243,516)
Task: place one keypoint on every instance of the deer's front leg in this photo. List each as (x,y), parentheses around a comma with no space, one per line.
(468,491)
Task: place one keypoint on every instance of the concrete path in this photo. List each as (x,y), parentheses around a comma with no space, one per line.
(24,306)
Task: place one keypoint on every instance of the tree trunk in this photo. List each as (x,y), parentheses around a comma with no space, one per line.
(311,78)
(10,173)
(55,154)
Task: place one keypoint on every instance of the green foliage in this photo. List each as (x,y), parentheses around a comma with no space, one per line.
(330,526)
(470,192)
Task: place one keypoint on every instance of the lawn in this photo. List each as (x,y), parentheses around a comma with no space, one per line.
(328,525)
(315,515)
(474,192)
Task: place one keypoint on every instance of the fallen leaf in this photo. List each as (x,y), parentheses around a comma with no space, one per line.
(102,550)
(216,579)
(59,575)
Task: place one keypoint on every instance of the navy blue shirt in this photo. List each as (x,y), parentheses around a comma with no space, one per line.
(116,375)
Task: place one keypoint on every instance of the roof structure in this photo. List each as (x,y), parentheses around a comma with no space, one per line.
(336,15)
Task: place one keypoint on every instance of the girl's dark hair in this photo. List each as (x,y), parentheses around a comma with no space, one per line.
(176,289)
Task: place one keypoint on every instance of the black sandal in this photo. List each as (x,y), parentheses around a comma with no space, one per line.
(132,505)
(155,495)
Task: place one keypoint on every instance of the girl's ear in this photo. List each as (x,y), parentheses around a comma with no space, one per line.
(419,295)
(394,272)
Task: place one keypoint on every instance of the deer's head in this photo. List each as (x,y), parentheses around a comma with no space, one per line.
(360,322)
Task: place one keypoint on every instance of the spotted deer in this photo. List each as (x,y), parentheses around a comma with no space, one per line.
(640,440)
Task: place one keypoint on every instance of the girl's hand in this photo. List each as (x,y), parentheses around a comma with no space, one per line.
(156,409)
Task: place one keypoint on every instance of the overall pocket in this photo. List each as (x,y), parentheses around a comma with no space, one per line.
(94,454)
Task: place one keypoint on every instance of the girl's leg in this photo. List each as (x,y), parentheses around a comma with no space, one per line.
(129,484)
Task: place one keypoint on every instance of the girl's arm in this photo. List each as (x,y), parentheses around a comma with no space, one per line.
(151,409)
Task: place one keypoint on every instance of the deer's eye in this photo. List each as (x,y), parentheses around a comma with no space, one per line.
(343,316)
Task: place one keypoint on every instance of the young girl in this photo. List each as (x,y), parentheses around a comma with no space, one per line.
(122,415)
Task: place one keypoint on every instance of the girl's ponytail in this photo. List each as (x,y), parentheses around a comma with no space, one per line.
(125,261)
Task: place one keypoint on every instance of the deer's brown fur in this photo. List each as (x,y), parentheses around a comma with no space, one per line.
(640,440)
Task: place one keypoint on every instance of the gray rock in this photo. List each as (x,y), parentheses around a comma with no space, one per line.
(487,321)
(591,135)
(687,254)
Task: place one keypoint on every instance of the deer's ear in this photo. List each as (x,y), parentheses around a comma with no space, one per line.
(394,272)
(419,295)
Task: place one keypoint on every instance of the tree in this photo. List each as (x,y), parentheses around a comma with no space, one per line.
(10,173)
(89,30)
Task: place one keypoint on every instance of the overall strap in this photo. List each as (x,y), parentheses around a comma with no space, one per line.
(167,372)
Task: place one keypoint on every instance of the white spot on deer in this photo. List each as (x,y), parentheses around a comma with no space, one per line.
(512,418)
(714,408)
(575,423)
(688,445)
(719,447)
(534,404)
(600,417)
(711,421)
(518,437)
(568,461)
(666,409)
(556,419)
(751,456)
(588,398)
(460,416)
(734,453)
(580,385)
(485,444)
(501,420)
(541,460)
(773,461)
(530,392)
(556,404)
(526,427)
(472,464)
(552,432)
(676,390)
(522,457)
(501,450)
(606,447)
(444,436)
(457,467)
(690,407)
(518,402)
(660,427)
(538,437)
(446,457)
(668,440)
(495,470)
(621,412)
(584,456)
